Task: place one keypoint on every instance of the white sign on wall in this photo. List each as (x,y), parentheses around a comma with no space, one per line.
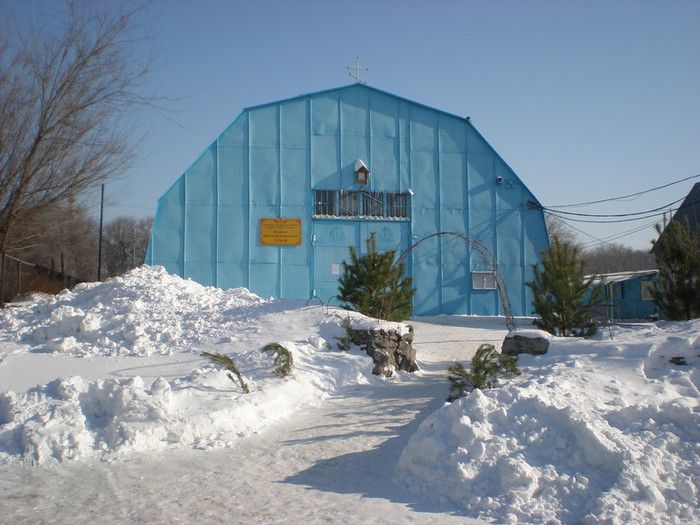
(335,269)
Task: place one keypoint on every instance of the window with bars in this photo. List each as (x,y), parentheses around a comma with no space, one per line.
(396,204)
(325,202)
(373,204)
(483,281)
(361,204)
(349,204)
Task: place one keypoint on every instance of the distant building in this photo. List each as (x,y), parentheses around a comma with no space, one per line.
(628,295)
(688,213)
(274,202)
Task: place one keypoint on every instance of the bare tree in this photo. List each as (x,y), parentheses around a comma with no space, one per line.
(609,258)
(125,244)
(560,231)
(63,238)
(63,93)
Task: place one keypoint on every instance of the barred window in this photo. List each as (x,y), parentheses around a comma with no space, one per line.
(349,204)
(372,204)
(325,202)
(647,290)
(397,205)
(360,204)
(483,281)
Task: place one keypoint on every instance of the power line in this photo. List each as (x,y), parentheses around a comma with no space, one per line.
(631,214)
(614,221)
(626,196)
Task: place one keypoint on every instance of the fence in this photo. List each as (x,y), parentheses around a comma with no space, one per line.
(19,277)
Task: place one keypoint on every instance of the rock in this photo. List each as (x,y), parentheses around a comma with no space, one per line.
(532,344)
(678,360)
(389,350)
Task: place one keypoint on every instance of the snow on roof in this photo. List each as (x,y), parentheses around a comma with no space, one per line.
(617,277)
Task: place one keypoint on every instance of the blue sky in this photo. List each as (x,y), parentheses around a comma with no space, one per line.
(584,100)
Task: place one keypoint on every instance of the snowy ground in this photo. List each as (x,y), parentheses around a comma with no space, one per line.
(106,409)
(592,432)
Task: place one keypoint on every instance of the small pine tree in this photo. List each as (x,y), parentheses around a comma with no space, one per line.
(226,362)
(486,367)
(677,255)
(373,286)
(562,297)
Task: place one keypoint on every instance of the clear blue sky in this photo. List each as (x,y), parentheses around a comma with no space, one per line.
(584,100)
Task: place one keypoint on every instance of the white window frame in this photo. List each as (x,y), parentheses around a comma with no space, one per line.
(483,280)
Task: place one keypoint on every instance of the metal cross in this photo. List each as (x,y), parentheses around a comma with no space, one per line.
(354,72)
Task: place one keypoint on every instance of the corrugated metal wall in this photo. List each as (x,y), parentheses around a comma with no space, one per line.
(272,157)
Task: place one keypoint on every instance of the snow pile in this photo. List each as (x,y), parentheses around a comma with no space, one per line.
(145,312)
(70,418)
(594,431)
(149,323)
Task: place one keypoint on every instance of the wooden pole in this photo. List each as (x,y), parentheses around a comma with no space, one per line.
(2,279)
(99,246)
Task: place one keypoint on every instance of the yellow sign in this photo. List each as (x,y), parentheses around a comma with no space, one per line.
(280,232)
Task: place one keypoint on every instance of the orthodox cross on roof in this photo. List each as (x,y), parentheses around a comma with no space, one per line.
(354,71)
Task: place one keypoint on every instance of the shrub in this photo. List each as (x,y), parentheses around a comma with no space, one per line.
(486,367)
(283,359)
(373,286)
(226,362)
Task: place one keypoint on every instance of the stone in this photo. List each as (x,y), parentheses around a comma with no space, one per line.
(389,349)
(515,344)
(678,360)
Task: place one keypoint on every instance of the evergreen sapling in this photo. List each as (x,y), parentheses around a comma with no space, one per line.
(562,297)
(372,285)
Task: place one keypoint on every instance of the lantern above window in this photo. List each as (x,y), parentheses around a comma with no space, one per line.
(362,172)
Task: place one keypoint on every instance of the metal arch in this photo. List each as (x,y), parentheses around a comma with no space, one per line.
(487,256)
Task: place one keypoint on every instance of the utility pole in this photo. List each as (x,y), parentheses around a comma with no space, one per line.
(99,245)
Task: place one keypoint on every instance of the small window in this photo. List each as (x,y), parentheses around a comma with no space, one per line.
(483,281)
(647,290)
(349,204)
(372,204)
(397,205)
(325,202)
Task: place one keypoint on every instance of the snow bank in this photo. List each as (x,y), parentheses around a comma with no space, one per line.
(145,312)
(594,431)
(71,418)
(148,312)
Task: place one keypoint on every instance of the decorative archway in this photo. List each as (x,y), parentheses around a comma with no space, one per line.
(488,258)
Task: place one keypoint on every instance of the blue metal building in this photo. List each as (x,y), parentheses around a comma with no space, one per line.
(628,295)
(308,158)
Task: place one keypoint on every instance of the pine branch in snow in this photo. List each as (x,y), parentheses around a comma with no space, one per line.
(226,362)
(283,359)
(487,366)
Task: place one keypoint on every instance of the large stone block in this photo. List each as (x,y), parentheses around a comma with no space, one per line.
(534,342)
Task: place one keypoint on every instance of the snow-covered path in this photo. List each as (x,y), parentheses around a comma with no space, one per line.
(334,463)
